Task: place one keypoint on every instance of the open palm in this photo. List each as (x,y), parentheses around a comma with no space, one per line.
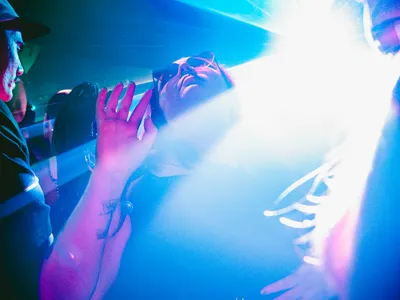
(119,150)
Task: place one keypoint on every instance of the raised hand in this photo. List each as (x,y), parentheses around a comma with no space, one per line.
(309,282)
(119,150)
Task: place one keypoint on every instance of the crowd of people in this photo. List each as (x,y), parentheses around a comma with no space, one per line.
(123,201)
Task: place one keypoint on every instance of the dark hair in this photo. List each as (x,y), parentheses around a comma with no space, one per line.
(54,105)
(30,116)
(73,127)
(75,122)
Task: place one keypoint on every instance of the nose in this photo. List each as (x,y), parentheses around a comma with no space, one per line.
(185,68)
(20,70)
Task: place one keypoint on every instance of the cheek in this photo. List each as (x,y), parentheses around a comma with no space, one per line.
(7,64)
(216,80)
(9,73)
(221,83)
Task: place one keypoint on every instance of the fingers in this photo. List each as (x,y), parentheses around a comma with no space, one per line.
(100,105)
(123,111)
(304,239)
(296,224)
(306,209)
(111,109)
(140,109)
(112,105)
(280,285)
(315,199)
(312,260)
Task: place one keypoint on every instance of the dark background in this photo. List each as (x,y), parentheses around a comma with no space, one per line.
(110,41)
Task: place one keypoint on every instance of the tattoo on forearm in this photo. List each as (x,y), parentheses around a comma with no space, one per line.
(109,209)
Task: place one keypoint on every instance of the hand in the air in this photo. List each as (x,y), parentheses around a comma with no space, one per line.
(119,150)
(309,282)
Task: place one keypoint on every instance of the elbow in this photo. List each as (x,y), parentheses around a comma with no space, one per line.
(59,281)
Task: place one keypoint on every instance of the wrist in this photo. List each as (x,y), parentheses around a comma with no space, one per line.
(106,172)
(110,184)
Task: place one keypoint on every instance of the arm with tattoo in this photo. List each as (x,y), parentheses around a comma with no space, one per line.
(77,254)
(109,208)
(73,268)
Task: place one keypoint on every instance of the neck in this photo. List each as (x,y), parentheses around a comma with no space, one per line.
(172,158)
(164,165)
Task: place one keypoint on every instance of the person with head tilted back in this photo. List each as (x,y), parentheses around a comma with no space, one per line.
(196,227)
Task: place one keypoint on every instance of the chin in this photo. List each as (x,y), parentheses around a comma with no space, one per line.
(6,97)
(190,91)
(197,95)
(6,92)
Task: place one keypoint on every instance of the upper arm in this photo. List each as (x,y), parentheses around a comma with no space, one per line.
(16,175)
(24,217)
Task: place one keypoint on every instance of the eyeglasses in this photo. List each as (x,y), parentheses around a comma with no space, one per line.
(162,76)
(204,59)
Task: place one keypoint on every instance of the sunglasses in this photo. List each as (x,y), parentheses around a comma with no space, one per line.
(162,76)
(204,59)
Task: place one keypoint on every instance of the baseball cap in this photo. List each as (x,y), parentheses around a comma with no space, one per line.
(9,19)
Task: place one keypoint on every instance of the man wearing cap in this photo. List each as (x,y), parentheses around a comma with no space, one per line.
(25,231)
(30,263)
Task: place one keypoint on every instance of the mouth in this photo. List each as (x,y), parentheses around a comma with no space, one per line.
(187,80)
(12,84)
